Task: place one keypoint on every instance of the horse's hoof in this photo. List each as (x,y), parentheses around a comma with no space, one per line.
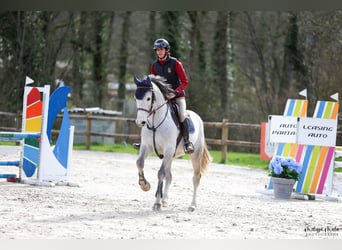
(164,203)
(191,208)
(156,207)
(145,187)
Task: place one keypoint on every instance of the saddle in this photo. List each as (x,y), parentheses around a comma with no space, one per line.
(174,108)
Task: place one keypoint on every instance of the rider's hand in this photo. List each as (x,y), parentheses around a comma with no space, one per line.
(170,95)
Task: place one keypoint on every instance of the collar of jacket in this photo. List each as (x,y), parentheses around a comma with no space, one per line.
(163,61)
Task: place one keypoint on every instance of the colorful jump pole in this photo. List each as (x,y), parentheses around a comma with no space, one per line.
(41,162)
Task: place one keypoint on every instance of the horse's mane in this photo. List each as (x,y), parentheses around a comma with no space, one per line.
(161,83)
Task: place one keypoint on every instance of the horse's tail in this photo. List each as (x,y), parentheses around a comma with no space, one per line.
(206,159)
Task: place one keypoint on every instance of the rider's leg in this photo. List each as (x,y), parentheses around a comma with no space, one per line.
(136,145)
(188,146)
(184,124)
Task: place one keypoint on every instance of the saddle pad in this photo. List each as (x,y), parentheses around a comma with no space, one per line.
(191,126)
(174,114)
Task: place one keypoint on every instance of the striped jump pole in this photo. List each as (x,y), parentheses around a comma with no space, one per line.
(17,136)
(8,176)
(40,162)
(10,163)
(14,136)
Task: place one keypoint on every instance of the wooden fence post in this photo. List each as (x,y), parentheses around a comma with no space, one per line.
(224,137)
(88,132)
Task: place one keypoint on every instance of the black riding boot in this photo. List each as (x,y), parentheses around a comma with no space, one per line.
(188,146)
(136,145)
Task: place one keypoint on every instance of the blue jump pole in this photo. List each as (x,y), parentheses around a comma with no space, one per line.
(15,136)
(10,163)
(9,176)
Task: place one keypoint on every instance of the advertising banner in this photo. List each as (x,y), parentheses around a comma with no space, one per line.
(317,131)
(283,129)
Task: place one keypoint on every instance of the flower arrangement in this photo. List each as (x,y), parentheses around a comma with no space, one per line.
(286,168)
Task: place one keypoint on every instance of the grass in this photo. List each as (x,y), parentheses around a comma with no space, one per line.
(9,143)
(232,158)
(338,170)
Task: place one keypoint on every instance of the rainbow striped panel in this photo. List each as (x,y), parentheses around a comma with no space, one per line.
(294,107)
(317,159)
(33,123)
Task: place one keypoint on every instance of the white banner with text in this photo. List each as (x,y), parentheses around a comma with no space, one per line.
(283,129)
(317,131)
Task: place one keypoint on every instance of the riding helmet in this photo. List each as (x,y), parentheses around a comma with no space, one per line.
(161,43)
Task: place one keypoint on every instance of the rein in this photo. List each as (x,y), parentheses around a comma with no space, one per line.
(152,112)
(154,129)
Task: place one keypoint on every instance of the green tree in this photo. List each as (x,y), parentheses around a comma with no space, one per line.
(123,55)
(171,30)
(200,84)
(151,36)
(220,60)
(31,42)
(77,41)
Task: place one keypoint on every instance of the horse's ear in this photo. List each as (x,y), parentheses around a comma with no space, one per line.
(148,79)
(136,80)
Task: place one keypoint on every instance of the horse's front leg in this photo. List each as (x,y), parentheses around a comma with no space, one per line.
(163,173)
(144,184)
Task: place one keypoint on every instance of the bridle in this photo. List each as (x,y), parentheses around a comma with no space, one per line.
(152,112)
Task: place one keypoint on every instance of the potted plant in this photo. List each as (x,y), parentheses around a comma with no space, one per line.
(284,172)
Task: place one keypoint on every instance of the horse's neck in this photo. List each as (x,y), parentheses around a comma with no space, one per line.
(160,104)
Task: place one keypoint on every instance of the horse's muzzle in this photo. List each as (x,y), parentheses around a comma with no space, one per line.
(140,124)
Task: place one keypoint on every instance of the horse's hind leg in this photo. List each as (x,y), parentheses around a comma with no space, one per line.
(159,193)
(195,179)
(163,173)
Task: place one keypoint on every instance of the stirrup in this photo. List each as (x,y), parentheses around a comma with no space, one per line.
(188,148)
(136,146)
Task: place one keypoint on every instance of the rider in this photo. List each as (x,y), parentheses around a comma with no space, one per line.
(172,69)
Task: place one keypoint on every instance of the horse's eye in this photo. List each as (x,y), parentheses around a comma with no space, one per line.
(149,98)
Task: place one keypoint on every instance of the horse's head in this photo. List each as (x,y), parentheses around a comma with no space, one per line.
(144,97)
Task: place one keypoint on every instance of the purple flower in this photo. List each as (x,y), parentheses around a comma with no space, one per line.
(278,169)
(285,168)
(299,167)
